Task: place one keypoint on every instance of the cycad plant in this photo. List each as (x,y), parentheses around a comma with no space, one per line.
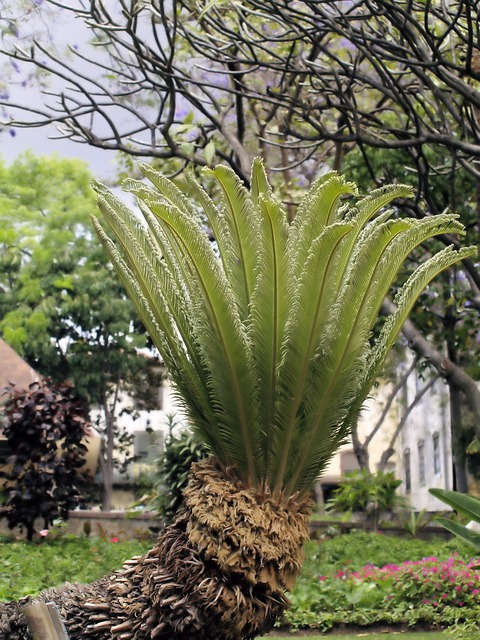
(267,336)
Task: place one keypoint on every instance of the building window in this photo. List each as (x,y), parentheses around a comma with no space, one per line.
(436,454)
(408,473)
(421,463)
(147,445)
(348,462)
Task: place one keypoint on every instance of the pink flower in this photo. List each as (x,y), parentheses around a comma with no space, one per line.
(43,533)
(114,539)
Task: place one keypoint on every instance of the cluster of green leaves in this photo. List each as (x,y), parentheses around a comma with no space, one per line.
(181,451)
(28,568)
(369,494)
(267,334)
(44,428)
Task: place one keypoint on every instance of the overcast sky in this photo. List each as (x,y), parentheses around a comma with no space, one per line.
(63,28)
(102,163)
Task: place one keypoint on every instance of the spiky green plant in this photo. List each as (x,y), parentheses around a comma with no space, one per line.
(267,333)
(267,336)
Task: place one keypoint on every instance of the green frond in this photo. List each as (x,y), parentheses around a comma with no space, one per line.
(377,200)
(221,337)
(270,303)
(408,294)
(405,299)
(168,189)
(242,222)
(187,377)
(259,182)
(394,255)
(308,317)
(267,332)
(319,208)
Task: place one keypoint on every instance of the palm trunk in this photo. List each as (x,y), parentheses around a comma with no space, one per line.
(219,571)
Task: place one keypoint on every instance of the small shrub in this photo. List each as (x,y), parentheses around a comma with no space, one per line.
(44,427)
(181,451)
(369,495)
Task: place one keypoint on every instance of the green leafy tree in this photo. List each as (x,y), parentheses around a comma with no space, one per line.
(45,428)
(61,305)
(267,337)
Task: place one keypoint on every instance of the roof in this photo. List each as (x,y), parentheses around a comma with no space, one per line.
(14,369)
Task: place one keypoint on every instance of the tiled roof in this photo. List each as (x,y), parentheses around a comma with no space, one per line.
(14,369)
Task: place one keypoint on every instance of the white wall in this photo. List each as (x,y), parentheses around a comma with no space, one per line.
(429,421)
(133,420)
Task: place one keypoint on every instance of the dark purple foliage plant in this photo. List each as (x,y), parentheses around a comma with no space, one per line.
(44,427)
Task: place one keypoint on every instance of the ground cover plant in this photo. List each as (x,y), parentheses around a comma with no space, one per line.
(28,568)
(364,579)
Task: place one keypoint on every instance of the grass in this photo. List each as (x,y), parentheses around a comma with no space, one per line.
(28,568)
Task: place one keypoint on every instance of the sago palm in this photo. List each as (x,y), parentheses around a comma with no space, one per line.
(267,336)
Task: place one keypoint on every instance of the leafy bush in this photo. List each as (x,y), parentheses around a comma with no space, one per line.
(371,495)
(44,427)
(181,451)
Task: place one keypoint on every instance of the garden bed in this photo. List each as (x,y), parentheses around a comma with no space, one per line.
(355,582)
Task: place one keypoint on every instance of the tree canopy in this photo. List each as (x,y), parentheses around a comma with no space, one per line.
(62,306)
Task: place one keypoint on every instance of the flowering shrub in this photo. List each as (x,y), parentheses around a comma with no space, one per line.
(453,582)
(433,591)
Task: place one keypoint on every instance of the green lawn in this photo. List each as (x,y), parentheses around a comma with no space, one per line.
(27,569)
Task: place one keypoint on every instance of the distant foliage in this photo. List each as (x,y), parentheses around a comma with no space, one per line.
(44,427)
(371,495)
(181,451)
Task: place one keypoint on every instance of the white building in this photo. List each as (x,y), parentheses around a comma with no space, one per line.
(424,446)
(422,456)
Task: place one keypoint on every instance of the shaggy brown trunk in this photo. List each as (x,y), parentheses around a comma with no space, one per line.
(219,571)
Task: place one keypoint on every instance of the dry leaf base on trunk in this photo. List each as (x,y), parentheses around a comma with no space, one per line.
(219,571)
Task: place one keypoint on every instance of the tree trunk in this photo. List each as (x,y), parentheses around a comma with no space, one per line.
(219,571)
(107,462)
(107,459)
(360,450)
(456,419)
(460,479)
